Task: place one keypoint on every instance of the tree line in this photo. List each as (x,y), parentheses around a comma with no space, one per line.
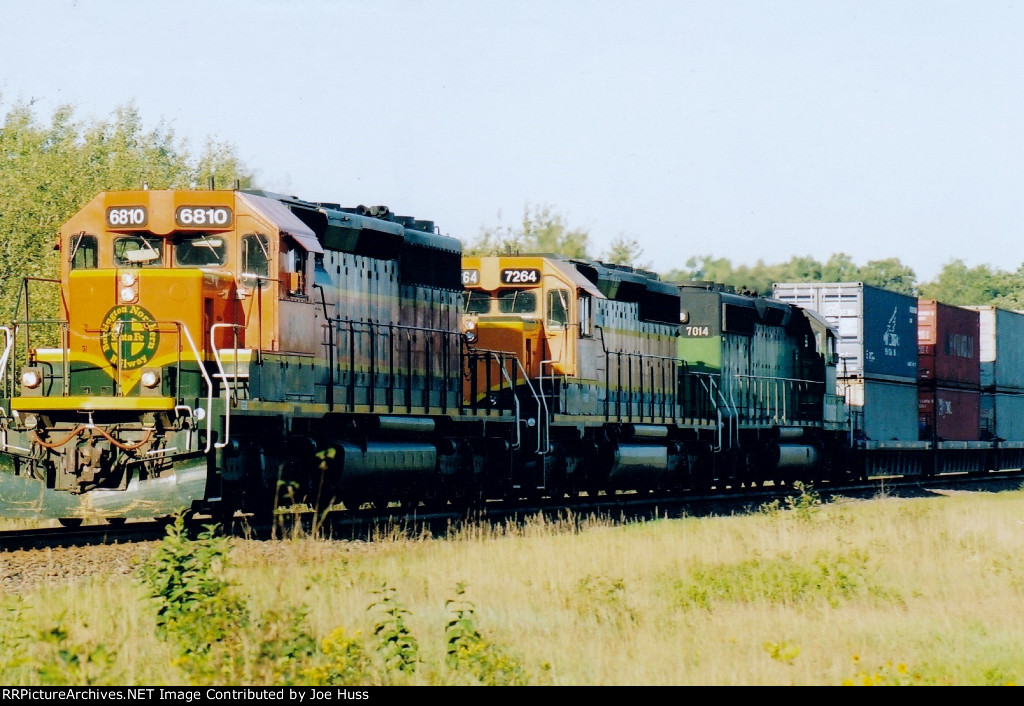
(542,230)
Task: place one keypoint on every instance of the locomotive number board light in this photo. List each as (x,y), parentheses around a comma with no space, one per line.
(203,217)
(520,276)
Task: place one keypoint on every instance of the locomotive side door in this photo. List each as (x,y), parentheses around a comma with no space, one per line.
(257,287)
(560,353)
(300,314)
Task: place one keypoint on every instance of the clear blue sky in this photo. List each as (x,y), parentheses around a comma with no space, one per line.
(741,129)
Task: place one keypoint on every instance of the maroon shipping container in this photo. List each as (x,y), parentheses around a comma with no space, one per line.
(948,344)
(948,414)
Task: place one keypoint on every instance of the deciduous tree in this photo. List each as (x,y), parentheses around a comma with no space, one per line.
(540,231)
(50,170)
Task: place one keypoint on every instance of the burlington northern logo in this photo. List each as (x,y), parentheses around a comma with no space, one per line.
(129,331)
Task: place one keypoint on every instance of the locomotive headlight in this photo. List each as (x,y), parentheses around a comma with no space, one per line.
(31,379)
(469,327)
(150,378)
(127,279)
(128,295)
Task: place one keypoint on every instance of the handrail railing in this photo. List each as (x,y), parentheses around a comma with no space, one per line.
(209,385)
(381,357)
(8,346)
(117,330)
(707,381)
(499,357)
(24,291)
(767,397)
(643,362)
(10,376)
(229,394)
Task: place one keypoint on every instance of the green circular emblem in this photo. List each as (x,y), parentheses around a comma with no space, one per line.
(129,332)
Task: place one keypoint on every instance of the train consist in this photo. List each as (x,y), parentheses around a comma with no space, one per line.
(218,351)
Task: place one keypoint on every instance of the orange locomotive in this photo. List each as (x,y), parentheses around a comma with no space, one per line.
(211,343)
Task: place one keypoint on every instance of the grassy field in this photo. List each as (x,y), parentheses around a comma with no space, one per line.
(886,591)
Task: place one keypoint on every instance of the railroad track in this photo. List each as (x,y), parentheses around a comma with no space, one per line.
(628,507)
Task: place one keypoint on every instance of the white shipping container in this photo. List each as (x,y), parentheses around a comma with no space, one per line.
(882,410)
(876,328)
(1002,348)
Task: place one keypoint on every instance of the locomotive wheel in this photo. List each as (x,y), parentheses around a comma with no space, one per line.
(70,521)
(116,521)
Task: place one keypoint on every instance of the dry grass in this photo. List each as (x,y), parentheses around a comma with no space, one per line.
(917,591)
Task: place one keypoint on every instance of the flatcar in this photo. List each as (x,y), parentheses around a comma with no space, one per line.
(226,350)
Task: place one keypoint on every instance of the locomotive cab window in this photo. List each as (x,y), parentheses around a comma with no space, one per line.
(255,260)
(558,308)
(476,302)
(200,251)
(583,309)
(293,262)
(517,301)
(83,251)
(137,251)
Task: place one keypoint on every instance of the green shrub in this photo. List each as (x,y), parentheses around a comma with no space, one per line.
(468,651)
(217,638)
(395,643)
(826,577)
(50,657)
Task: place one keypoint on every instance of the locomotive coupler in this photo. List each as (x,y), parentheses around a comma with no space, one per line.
(85,465)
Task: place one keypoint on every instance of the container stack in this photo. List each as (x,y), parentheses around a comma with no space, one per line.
(949,372)
(878,354)
(1002,373)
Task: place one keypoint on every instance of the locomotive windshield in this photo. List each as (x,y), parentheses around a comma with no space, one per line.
(517,301)
(476,302)
(509,301)
(200,251)
(137,251)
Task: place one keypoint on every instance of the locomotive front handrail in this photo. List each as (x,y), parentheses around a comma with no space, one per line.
(515,397)
(182,329)
(544,437)
(229,395)
(499,358)
(209,385)
(8,345)
(707,381)
(9,379)
(24,290)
